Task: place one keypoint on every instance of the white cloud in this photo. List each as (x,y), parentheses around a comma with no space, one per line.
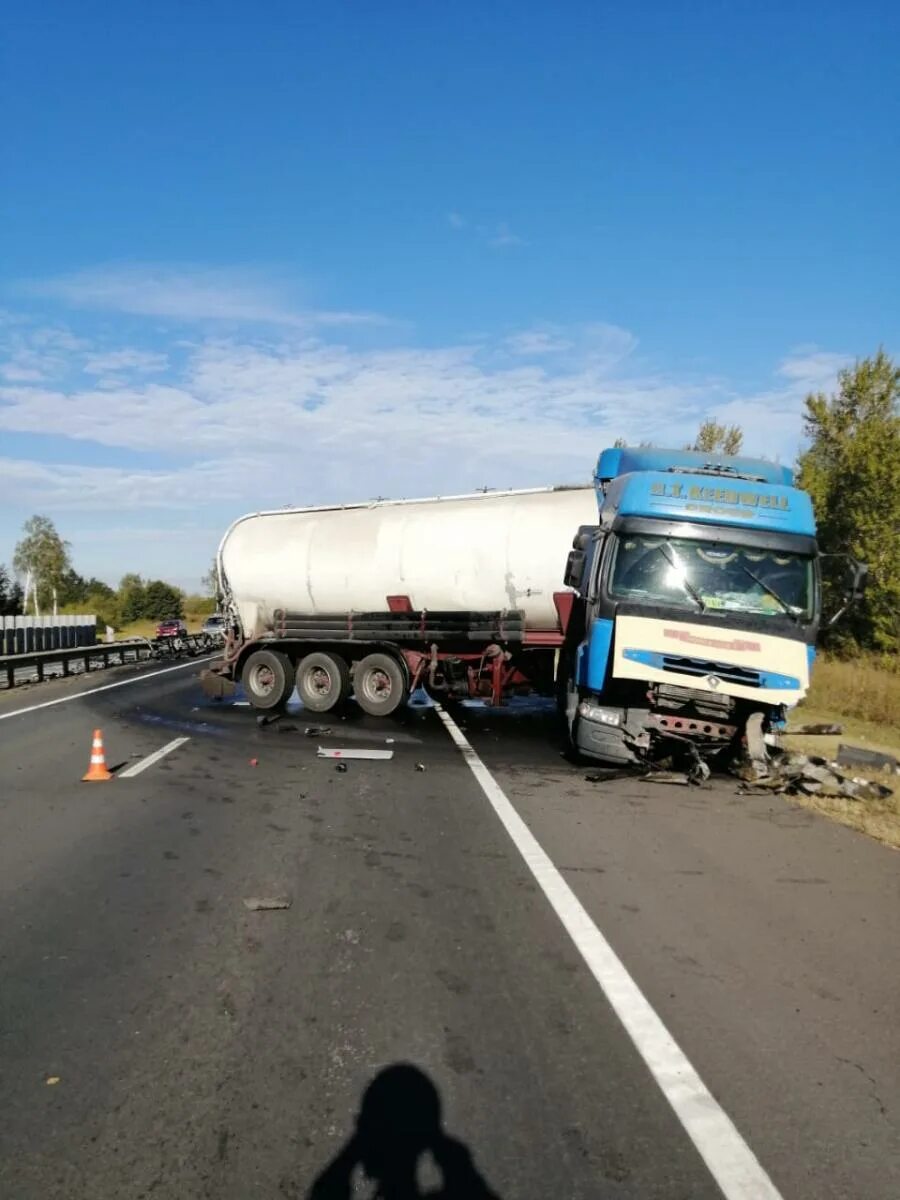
(125,360)
(456,220)
(242,423)
(503,236)
(811,368)
(186,294)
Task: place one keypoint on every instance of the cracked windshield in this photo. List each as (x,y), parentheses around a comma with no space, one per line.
(712,576)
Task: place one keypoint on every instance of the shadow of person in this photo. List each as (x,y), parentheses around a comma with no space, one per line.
(398,1129)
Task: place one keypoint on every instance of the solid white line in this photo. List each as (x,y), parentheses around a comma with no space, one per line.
(730,1160)
(20,712)
(144,763)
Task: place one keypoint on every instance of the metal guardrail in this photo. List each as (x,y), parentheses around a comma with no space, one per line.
(81,659)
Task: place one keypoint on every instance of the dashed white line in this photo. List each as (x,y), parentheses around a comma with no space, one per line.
(732,1163)
(144,763)
(106,687)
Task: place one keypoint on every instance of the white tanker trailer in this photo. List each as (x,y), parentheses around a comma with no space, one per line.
(462,594)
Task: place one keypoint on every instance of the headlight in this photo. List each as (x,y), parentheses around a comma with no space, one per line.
(605,716)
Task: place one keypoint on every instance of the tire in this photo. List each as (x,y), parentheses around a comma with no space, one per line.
(323,681)
(379,684)
(268,678)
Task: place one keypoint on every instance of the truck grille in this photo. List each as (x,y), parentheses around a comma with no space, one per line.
(700,668)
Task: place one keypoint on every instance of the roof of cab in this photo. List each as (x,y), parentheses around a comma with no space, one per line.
(626,460)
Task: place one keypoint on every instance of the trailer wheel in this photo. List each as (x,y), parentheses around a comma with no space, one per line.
(323,681)
(268,678)
(379,684)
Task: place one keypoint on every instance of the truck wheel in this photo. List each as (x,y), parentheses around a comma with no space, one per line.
(379,685)
(323,681)
(267,678)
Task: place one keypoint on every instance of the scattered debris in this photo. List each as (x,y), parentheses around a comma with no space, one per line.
(268,718)
(323,752)
(282,728)
(817,730)
(317,730)
(420,766)
(266,903)
(856,756)
(254,762)
(608,774)
(341,766)
(811,775)
(52,1080)
(679,777)
(389,741)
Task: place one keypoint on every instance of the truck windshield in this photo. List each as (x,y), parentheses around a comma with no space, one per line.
(712,576)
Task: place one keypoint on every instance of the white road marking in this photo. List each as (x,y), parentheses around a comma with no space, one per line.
(106,687)
(144,763)
(732,1163)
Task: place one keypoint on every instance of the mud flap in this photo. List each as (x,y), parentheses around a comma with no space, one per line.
(215,686)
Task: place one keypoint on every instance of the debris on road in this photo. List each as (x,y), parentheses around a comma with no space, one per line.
(342,766)
(817,730)
(317,730)
(266,903)
(254,762)
(420,766)
(676,777)
(812,776)
(52,1080)
(856,756)
(323,752)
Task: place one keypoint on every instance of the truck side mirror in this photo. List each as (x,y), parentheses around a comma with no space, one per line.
(858,573)
(860,579)
(574,568)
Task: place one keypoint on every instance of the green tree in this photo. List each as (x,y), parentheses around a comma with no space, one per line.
(43,557)
(10,594)
(162,601)
(70,587)
(851,470)
(715,438)
(132,598)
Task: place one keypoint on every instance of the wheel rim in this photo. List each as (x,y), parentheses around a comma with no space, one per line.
(377,686)
(262,680)
(319,682)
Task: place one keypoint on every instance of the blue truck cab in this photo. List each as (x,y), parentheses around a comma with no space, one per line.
(697,604)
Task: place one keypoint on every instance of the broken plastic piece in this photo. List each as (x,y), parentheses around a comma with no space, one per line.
(323,752)
(254,762)
(420,766)
(265,903)
(316,730)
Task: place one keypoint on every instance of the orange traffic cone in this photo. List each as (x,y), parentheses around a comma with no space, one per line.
(97,771)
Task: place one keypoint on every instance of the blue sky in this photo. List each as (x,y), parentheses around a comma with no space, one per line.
(312,252)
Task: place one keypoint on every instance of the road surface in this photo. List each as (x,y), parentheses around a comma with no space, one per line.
(160,1040)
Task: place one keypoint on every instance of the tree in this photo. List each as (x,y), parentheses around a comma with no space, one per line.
(132,599)
(71,588)
(715,438)
(851,469)
(162,601)
(10,594)
(210,580)
(41,556)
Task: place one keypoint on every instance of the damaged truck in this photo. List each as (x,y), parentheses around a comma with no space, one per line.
(686,610)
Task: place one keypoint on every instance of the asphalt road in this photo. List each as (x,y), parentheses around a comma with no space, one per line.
(157,1039)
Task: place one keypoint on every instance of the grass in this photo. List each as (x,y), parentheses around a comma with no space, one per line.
(862,695)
